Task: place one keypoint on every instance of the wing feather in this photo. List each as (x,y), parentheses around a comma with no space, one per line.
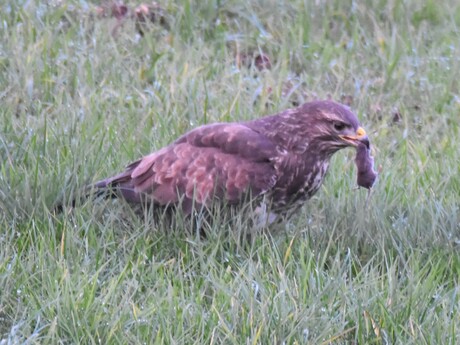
(219,161)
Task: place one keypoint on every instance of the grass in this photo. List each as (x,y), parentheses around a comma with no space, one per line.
(77,103)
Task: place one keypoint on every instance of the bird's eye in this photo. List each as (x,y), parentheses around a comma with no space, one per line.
(339,126)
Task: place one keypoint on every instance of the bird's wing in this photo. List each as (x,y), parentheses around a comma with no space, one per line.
(220,161)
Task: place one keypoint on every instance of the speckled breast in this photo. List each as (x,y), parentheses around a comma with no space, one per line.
(301,188)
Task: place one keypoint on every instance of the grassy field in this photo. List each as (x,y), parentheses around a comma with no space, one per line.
(82,95)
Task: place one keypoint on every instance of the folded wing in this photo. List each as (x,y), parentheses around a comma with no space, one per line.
(222,161)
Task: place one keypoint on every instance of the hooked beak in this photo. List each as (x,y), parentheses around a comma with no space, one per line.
(359,137)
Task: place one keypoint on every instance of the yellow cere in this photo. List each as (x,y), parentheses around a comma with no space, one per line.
(360,132)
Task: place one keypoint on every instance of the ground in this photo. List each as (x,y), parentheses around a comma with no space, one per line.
(84,93)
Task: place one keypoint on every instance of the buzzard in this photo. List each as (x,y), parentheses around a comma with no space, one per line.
(279,160)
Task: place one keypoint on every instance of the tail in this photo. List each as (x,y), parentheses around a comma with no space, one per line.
(95,191)
(109,188)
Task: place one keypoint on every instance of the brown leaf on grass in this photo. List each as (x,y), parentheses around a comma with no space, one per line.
(142,15)
(375,325)
(112,9)
(397,117)
(347,100)
(149,14)
(260,61)
(119,11)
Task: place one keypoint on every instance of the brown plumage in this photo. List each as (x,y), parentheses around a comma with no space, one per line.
(281,159)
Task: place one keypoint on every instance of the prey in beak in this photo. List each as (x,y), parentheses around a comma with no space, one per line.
(360,137)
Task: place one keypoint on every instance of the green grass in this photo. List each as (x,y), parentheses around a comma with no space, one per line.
(78,103)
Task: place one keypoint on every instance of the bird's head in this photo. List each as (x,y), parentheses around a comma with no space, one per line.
(333,126)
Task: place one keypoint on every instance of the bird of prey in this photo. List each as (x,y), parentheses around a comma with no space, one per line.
(281,159)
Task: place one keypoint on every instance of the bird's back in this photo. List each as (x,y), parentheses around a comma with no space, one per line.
(222,162)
